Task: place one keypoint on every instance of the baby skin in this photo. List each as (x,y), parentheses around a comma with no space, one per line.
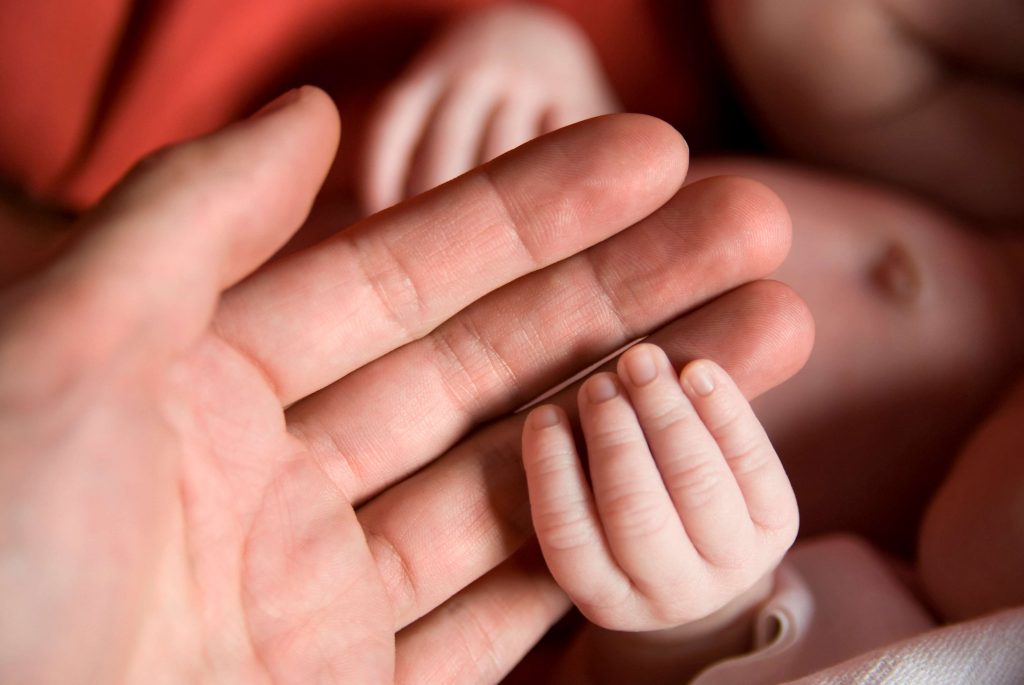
(672,528)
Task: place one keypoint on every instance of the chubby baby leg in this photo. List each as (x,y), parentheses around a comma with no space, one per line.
(687,505)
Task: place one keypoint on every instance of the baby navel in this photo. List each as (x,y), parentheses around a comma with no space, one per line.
(896,275)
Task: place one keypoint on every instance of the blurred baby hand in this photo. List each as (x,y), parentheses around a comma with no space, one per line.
(490,82)
(687,505)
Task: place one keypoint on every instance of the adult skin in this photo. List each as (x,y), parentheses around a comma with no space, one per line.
(206,459)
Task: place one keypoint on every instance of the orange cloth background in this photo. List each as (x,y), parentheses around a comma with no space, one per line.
(88,87)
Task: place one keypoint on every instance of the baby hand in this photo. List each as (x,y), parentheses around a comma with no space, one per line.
(688,505)
(492,81)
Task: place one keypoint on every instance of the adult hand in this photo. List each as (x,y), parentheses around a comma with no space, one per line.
(489,82)
(925,94)
(202,473)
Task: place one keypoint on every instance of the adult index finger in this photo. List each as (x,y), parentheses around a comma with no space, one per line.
(314,316)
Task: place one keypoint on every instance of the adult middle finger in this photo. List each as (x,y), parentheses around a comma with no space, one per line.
(384,421)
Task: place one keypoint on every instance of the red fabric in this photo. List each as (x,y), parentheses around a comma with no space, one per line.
(54,59)
(88,87)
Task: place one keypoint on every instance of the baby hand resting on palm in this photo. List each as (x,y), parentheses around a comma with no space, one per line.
(683,506)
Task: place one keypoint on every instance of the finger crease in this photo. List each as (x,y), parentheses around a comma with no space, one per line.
(330,458)
(395,569)
(498,367)
(254,360)
(605,293)
(395,302)
(507,218)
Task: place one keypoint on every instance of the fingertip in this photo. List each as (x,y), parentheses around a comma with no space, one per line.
(323,121)
(546,434)
(545,416)
(642,158)
(782,311)
(658,132)
(639,365)
(767,219)
(771,334)
(665,152)
(702,377)
(754,218)
(322,105)
(599,388)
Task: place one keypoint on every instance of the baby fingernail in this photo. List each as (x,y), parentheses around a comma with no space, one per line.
(697,379)
(544,417)
(640,366)
(601,389)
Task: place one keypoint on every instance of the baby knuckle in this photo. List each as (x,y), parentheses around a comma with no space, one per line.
(552,462)
(673,420)
(564,529)
(604,604)
(737,559)
(694,481)
(612,441)
(747,456)
(725,421)
(634,514)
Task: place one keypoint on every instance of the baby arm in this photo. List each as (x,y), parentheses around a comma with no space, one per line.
(686,512)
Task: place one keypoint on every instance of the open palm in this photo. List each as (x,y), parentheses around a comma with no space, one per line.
(214,474)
